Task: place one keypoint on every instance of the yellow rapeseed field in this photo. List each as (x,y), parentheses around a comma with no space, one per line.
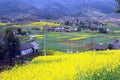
(42,24)
(91,65)
(78,38)
(37,36)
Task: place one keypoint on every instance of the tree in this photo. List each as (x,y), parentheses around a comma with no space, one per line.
(79,28)
(118,6)
(67,23)
(1,51)
(19,30)
(12,46)
(110,46)
(103,30)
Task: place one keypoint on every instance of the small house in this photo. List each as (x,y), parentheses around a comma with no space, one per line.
(98,47)
(35,47)
(29,48)
(114,44)
(26,48)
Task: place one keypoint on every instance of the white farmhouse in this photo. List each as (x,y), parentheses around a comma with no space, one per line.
(29,48)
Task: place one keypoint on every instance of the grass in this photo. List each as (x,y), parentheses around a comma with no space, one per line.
(103,65)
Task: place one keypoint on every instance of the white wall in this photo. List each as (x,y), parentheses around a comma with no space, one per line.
(28,51)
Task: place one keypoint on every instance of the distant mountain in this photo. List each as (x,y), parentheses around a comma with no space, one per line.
(98,9)
(75,7)
(103,6)
(90,13)
(14,8)
(57,8)
(68,3)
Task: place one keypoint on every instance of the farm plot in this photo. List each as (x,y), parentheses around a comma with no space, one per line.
(75,41)
(63,41)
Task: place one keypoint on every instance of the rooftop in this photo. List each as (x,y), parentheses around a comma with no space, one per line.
(26,46)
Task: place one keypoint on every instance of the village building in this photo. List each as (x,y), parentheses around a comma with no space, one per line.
(35,47)
(26,48)
(115,44)
(100,46)
(29,48)
(62,29)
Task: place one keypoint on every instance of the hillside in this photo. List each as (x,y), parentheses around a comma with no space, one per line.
(17,8)
(75,8)
(103,65)
(58,8)
(55,10)
(91,13)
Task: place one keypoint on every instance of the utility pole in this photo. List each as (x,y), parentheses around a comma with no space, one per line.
(68,49)
(92,42)
(44,41)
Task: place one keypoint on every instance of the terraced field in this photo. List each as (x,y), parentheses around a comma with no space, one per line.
(61,41)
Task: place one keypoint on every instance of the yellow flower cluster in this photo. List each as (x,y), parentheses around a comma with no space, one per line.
(65,67)
(42,24)
(37,36)
(3,24)
(78,38)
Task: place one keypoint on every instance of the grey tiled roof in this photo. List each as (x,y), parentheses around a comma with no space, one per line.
(100,47)
(26,46)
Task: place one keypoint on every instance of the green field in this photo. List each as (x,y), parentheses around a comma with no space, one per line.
(63,41)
